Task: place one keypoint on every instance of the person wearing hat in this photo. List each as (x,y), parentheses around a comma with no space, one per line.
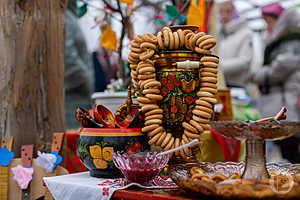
(235,45)
(279,77)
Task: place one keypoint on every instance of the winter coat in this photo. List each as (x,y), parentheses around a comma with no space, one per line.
(78,71)
(235,51)
(279,78)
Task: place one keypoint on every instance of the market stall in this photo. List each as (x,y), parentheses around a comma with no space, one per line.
(174,133)
(160,142)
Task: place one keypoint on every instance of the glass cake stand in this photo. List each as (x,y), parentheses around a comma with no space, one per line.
(255,134)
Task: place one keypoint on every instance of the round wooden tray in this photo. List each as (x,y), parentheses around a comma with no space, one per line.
(229,189)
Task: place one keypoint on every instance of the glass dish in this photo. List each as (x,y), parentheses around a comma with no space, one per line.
(140,167)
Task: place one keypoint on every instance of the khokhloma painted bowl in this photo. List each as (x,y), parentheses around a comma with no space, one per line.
(96,145)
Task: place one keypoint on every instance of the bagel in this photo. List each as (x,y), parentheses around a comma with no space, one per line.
(200,119)
(191,135)
(208,79)
(207,89)
(155,131)
(210,85)
(135,50)
(147,54)
(146,70)
(155,97)
(209,59)
(201,114)
(208,74)
(202,51)
(204,109)
(197,36)
(143,82)
(151,91)
(166,38)
(160,41)
(152,84)
(150,38)
(139,38)
(185,138)
(176,40)
(209,70)
(154,139)
(148,45)
(166,140)
(144,100)
(196,125)
(189,127)
(146,76)
(210,64)
(202,38)
(153,121)
(153,112)
(170,144)
(171,40)
(161,138)
(149,107)
(177,144)
(208,41)
(156,116)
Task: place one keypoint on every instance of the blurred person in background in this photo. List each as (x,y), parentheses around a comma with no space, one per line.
(105,65)
(78,68)
(279,77)
(235,45)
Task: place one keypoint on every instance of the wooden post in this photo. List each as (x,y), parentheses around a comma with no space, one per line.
(32,40)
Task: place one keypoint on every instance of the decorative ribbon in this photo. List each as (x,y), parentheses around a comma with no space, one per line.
(23,175)
(47,161)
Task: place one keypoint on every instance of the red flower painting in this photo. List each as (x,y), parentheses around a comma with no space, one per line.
(174,109)
(177,83)
(170,85)
(163,81)
(171,76)
(164,91)
(189,99)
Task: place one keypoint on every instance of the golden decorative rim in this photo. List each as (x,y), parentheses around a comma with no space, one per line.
(110,134)
(183,27)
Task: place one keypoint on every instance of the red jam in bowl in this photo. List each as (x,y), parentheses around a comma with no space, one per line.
(140,167)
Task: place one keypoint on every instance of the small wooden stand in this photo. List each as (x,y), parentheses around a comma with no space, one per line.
(57,142)
(6,142)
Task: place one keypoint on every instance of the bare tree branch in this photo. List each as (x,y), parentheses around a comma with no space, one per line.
(110,6)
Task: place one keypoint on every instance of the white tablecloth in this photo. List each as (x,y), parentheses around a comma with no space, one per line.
(81,186)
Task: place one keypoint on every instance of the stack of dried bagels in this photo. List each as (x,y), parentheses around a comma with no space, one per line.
(143,74)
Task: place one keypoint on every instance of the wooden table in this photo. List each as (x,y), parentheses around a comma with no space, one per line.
(153,194)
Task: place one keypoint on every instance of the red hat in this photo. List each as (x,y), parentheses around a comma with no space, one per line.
(274,9)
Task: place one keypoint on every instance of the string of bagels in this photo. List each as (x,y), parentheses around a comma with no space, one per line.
(143,74)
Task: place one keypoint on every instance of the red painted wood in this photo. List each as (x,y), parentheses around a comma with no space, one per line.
(26,155)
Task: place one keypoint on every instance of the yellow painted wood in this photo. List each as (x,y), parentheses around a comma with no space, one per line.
(4,182)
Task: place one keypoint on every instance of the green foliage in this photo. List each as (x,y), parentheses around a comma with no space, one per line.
(172,11)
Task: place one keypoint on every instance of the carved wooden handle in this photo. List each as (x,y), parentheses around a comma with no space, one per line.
(279,116)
